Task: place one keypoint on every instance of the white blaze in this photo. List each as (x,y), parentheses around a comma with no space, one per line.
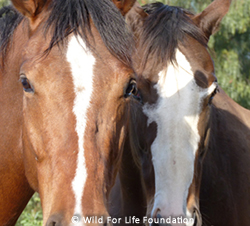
(82,63)
(173,151)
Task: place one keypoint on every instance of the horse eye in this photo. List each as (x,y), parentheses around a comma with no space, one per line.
(213,94)
(26,84)
(131,89)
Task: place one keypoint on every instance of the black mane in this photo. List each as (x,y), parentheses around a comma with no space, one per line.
(73,16)
(9,20)
(163,29)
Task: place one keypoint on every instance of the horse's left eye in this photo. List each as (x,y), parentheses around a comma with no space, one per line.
(131,89)
(213,94)
(27,87)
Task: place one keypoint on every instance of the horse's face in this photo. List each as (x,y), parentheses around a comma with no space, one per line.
(184,88)
(74,109)
(177,114)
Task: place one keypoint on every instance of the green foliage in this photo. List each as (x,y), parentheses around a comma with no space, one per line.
(232,48)
(4,3)
(32,215)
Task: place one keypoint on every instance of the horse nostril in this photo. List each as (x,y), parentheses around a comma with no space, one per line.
(159,216)
(197,218)
(54,220)
(52,223)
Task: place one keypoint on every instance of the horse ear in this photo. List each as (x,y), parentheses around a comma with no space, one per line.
(29,8)
(124,5)
(209,19)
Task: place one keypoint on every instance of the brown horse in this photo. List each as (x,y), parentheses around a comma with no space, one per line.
(66,84)
(200,152)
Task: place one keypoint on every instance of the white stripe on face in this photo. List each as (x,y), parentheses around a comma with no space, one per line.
(173,151)
(82,63)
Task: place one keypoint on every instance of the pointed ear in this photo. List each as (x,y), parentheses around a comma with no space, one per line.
(124,5)
(209,20)
(29,8)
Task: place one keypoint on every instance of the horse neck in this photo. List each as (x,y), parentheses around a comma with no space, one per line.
(229,126)
(213,125)
(14,190)
(225,167)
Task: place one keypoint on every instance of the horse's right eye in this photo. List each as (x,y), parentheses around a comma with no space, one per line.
(131,89)
(27,87)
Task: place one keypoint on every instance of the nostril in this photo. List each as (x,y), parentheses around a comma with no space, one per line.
(54,220)
(52,223)
(158,220)
(159,216)
(155,213)
(197,218)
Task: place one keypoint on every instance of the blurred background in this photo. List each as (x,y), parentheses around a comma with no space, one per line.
(230,49)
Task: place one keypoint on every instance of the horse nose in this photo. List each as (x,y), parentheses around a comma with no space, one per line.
(54,220)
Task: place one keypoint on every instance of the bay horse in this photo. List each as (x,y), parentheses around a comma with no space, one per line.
(66,84)
(197,137)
